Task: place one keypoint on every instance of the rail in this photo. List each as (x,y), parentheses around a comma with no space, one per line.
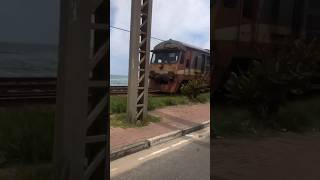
(25,90)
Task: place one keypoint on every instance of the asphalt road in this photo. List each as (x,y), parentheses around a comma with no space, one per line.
(281,156)
(185,158)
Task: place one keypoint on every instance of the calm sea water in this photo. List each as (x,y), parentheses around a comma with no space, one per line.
(25,60)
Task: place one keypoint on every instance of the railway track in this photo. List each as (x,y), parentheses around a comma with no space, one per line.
(27,90)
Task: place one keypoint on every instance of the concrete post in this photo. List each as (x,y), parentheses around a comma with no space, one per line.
(81,145)
(139,55)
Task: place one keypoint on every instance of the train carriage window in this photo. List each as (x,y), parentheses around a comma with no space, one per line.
(165,57)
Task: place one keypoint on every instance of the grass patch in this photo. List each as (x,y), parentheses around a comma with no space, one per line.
(120,120)
(297,116)
(203,98)
(118,104)
(163,101)
(26,134)
(230,120)
(301,115)
(35,172)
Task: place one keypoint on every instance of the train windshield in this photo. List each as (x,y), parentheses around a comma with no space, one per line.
(170,57)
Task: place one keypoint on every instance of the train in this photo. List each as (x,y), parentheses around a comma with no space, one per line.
(247,30)
(174,63)
(241,31)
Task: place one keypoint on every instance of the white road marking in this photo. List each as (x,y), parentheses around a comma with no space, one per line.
(181,142)
(114,169)
(189,135)
(154,153)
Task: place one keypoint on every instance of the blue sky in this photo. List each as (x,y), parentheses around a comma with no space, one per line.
(184,20)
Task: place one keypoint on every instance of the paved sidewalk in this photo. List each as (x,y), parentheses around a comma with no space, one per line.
(173,118)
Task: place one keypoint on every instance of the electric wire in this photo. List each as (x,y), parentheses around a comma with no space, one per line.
(129,31)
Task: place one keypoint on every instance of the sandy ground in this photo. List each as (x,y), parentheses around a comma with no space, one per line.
(286,156)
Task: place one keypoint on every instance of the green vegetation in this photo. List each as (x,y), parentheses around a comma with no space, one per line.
(230,120)
(162,101)
(34,172)
(193,88)
(265,87)
(26,134)
(264,90)
(118,104)
(299,116)
(120,120)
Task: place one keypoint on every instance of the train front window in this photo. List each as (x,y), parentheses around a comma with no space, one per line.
(165,57)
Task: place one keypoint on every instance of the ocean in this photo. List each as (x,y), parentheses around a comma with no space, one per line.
(33,60)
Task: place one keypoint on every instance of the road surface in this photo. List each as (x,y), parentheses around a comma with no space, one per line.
(185,158)
(283,156)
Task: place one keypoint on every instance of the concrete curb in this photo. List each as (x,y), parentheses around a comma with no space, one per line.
(129,149)
(136,147)
(195,128)
(164,138)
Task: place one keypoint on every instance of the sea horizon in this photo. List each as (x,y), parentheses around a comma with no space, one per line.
(37,60)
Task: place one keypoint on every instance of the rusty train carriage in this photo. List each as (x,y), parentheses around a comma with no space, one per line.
(174,63)
(242,29)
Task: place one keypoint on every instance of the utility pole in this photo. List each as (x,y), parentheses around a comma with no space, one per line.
(139,55)
(81,146)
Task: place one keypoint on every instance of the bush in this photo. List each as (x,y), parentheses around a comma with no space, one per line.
(264,89)
(193,87)
(267,84)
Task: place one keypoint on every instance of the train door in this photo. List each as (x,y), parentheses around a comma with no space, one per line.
(188,62)
(195,64)
(203,63)
(207,68)
(181,64)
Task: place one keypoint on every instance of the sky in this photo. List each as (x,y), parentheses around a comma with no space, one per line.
(37,21)
(183,20)
(29,21)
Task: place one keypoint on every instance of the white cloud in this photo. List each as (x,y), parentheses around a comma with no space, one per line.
(184,20)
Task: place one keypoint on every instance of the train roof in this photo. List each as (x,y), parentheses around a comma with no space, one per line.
(172,44)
